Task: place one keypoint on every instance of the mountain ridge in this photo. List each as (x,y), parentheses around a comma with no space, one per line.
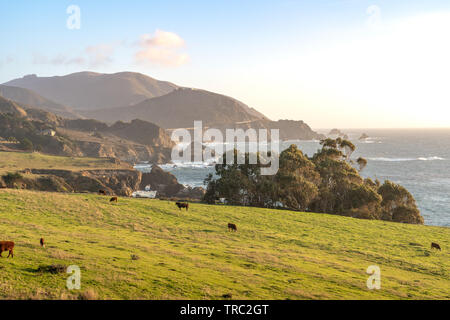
(126,96)
(29,98)
(203,105)
(91,90)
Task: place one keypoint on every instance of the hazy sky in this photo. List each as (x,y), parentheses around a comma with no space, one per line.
(335,63)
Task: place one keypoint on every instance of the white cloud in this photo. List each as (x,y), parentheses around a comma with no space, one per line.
(161,48)
(99,54)
(58,60)
(92,56)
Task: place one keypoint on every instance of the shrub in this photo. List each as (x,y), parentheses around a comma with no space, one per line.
(26,144)
(10,177)
(407,215)
(54,269)
(89,294)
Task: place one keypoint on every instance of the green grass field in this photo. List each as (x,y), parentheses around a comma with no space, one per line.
(191,255)
(16,161)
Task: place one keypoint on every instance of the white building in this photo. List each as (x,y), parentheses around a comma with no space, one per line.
(144,194)
(48,132)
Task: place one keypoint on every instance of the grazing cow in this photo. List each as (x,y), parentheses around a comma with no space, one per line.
(435,246)
(232,227)
(114,199)
(42,243)
(182,205)
(7,246)
(102,192)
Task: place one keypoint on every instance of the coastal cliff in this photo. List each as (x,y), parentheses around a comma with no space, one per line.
(121,182)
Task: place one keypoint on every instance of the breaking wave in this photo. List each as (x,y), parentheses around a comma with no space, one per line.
(406,159)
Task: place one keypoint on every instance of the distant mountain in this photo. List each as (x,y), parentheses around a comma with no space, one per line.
(295,130)
(31,99)
(180,108)
(127,96)
(92,91)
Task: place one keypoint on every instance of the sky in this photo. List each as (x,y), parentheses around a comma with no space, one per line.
(334,63)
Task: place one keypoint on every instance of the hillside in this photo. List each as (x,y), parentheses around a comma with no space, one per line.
(18,161)
(35,171)
(40,172)
(132,142)
(91,91)
(33,100)
(10,107)
(180,108)
(190,255)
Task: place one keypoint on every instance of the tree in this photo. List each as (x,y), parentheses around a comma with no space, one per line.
(329,143)
(238,183)
(398,203)
(297,179)
(326,182)
(407,215)
(362,163)
(347,147)
(26,144)
(10,178)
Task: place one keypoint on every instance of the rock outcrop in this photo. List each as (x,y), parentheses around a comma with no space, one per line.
(118,182)
(10,107)
(131,142)
(165,183)
(115,182)
(364,136)
(167,186)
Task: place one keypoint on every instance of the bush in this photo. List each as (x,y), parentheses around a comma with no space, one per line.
(54,269)
(10,177)
(26,144)
(89,294)
(407,215)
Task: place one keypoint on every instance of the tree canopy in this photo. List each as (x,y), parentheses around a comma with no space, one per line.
(325,183)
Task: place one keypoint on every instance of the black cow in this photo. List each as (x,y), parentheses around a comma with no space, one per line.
(181,205)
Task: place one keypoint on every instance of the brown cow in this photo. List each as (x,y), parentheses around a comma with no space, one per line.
(42,243)
(114,199)
(435,246)
(232,227)
(102,192)
(182,205)
(7,246)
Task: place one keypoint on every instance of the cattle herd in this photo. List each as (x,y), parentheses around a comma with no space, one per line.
(9,245)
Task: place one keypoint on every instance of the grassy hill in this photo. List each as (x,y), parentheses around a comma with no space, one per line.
(17,161)
(191,255)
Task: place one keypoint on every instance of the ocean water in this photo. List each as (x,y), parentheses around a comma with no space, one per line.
(417,159)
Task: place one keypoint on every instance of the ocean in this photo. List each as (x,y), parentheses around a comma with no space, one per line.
(418,159)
